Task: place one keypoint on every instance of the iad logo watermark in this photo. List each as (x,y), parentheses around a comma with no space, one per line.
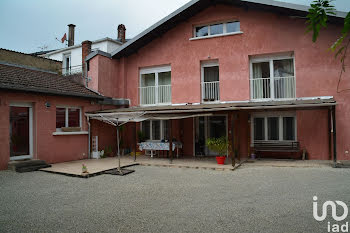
(338,226)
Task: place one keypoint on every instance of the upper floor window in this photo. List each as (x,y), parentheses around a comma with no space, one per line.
(217,29)
(67,117)
(155,86)
(272,78)
(210,82)
(66,64)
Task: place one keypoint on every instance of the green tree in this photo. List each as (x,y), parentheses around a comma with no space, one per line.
(318,15)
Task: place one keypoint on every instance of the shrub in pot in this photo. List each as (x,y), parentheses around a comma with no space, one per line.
(219,145)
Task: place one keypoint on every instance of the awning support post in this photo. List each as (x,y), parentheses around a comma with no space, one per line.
(171,141)
(135,137)
(334,137)
(232,123)
(330,133)
(118,151)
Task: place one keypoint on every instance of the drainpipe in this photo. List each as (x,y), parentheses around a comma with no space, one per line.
(89,133)
(334,138)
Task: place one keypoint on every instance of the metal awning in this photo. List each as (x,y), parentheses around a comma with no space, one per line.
(139,114)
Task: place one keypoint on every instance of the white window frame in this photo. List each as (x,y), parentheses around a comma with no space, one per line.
(225,33)
(270,59)
(65,56)
(205,65)
(280,116)
(155,71)
(31,135)
(67,117)
(162,136)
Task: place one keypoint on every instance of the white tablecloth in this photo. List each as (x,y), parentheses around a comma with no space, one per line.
(158,145)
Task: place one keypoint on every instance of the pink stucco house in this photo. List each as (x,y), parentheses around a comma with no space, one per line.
(242,69)
(43,112)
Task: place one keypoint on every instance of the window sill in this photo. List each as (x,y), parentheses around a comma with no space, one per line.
(70,133)
(214,36)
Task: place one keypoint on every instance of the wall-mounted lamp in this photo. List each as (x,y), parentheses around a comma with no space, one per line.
(47,104)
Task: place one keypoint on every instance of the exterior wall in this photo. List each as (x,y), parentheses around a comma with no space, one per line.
(104,76)
(29,60)
(76,52)
(47,147)
(111,47)
(313,134)
(264,33)
(107,135)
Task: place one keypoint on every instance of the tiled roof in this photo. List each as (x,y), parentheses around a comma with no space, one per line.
(16,77)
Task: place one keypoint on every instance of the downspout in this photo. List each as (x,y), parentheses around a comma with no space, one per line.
(89,136)
(334,138)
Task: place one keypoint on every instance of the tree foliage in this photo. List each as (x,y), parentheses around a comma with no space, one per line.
(318,15)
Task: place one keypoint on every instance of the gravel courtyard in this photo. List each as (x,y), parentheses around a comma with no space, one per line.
(155,199)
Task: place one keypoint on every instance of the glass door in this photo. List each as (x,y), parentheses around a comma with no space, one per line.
(208,127)
(21,141)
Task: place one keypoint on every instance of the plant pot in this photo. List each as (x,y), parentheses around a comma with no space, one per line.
(220,159)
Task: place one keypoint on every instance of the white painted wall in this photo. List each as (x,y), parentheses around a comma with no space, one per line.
(76,54)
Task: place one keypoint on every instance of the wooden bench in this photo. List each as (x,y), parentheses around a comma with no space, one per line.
(291,147)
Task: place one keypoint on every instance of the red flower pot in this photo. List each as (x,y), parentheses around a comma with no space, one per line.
(220,160)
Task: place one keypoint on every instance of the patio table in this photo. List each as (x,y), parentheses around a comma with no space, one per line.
(154,146)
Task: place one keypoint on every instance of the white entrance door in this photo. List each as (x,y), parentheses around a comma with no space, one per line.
(21,131)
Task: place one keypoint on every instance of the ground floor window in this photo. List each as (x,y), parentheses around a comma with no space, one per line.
(68,117)
(274,127)
(155,130)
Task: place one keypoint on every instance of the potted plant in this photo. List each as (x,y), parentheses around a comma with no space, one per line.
(141,136)
(219,145)
(84,169)
(108,151)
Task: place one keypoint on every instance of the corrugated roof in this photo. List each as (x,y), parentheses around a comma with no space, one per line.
(21,78)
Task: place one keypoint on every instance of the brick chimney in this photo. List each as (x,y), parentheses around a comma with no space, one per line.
(85,50)
(121,33)
(71,28)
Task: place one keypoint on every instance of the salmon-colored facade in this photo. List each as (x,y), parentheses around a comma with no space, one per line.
(47,144)
(265,34)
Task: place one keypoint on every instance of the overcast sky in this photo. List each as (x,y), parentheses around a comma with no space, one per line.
(30,25)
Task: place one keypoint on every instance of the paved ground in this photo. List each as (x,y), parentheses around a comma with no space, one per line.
(156,199)
(99,165)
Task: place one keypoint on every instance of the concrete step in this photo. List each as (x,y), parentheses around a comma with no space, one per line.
(27,165)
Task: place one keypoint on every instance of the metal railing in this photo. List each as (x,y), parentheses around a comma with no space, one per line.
(210,91)
(153,95)
(273,88)
(72,70)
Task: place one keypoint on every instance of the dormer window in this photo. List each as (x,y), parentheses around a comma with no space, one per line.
(217,29)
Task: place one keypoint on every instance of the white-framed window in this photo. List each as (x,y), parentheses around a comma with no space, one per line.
(155,130)
(274,126)
(217,29)
(68,117)
(66,64)
(210,82)
(155,86)
(272,77)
